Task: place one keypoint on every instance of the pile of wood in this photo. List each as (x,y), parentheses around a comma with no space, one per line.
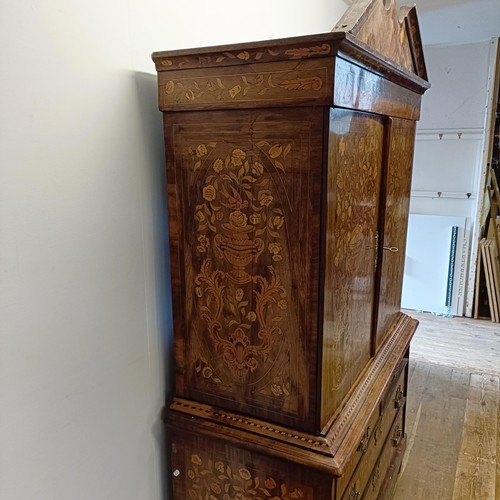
(489,256)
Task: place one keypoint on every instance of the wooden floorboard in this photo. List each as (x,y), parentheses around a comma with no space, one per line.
(476,470)
(453,411)
(470,344)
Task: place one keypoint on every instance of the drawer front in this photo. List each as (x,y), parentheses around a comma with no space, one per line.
(375,435)
(382,467)
(380,436)
(365,444)
(212,468)
(396,395)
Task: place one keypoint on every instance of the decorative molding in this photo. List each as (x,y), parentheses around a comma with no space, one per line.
(256,426)
(391,32)
(303,48)
(332,444)
(288,84)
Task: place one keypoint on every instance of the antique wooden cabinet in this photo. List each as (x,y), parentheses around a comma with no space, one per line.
(289,167)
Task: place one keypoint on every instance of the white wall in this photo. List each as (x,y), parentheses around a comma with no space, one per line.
(450,142)
(85,331)
(459,80)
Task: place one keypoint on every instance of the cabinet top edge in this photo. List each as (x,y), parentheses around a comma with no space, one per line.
(276,45)
(324,45)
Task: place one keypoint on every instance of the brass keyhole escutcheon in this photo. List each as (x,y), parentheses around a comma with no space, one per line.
(354,494)
(396,437)
(391,249)
(398,398)
(363,445)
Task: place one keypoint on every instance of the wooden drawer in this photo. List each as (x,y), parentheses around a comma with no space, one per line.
(385,465)
(359,456)
(374,438)
(395,396)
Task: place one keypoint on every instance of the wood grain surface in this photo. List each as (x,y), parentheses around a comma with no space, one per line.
(358,88)
(394,224)
(452,420)
(354,172)
(253,85)
(464,343)
(247,186)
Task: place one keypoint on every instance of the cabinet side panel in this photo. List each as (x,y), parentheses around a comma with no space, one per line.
(176,271)
(353,188)
(248,185)
(215,468)
(401,138)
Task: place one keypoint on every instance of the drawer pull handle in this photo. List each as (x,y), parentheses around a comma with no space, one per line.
(354,494)
(363,445)
(396,436)
(377,433)
(376,475)
(398,398)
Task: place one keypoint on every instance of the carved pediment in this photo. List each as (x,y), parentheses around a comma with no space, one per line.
(392,34)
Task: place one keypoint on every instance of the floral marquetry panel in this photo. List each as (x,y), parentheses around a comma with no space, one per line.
(291,83)
(401,134)
(203,469)
(356,145)
(247,194)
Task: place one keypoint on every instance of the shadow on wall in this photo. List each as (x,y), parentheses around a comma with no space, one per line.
(152,129)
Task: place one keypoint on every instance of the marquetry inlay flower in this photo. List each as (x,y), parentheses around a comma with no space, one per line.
(245,474)
(270,483)
(238,219)
(278,221)
(215,488)
(201,151)
(218,165)
(257,168)
(276,389)
(282,304)
(233,92)
(275,249)
(237,157)
(251,316)
(204,243)
(170,87)
(213,479)
(209,193)
(196,459)
(255,219)
(199,216)
(275,151)
(265,197)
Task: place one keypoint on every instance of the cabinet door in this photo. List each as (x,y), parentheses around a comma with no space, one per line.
(244,211)
(398,167)
(356,143)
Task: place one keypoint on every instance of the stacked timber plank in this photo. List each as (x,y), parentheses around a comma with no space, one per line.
(490,265)
(489,254)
